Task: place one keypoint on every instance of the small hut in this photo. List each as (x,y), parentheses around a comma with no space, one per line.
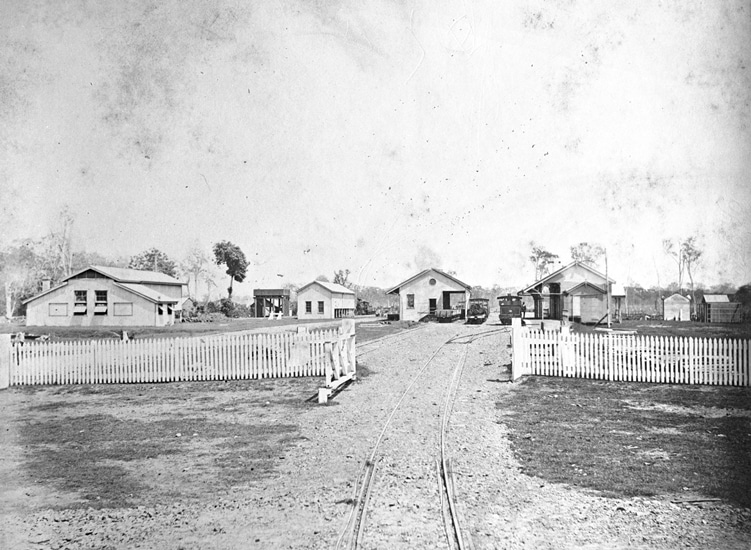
(271,300)
(717,308)
(676,308)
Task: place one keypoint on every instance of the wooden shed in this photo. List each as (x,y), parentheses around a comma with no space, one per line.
(430,292)
(271,300)
(676,307)
(717,308)
(108,296)
(324,300)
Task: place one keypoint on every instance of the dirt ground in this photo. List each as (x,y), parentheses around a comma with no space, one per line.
(259,464)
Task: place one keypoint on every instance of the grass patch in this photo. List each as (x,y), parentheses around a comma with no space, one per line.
(118,446)
(678,328)
(628,439)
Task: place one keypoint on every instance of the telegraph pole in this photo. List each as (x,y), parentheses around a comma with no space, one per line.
(607,285)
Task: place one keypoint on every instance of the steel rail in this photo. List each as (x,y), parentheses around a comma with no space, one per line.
(382,339)
(356,520)
(452,523)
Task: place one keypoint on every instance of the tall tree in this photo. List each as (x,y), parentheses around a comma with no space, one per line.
(20,270)
(587,253)
(154,259)
(674,249)
(691,257)
(341,277)
(541,259)
(195,266)
(230,255)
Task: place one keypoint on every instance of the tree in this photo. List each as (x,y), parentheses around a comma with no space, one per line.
(322,278)
(743,297)
(195,266)
(21,271)
(55,251)
(541,259)
(341,276)
(230,255)
(674,250)
(691,256)
(153,259)
(586,253)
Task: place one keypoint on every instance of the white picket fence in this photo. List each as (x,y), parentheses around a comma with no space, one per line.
(230,356)
(632,358)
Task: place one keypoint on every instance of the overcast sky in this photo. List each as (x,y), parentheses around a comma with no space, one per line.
(380,136)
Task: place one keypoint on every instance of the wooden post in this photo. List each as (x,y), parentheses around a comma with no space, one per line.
(5,357)
(516,349)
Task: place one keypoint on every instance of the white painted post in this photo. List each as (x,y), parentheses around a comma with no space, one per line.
(516,349)
(5,356)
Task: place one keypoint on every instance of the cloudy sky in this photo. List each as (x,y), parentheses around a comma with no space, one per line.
(382,136)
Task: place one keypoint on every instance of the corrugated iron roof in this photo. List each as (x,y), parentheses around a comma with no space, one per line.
(425,271)
(332,287)
(148,293)
(127,275)
(676,296)
(716,298)
(561,270)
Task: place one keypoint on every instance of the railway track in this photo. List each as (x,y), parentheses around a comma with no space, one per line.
(446,365)
(373,345)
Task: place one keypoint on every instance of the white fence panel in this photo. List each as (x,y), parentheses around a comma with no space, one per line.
(632,358)
(231,356)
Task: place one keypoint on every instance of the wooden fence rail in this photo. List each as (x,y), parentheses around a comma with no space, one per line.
(231,356)
(633,358)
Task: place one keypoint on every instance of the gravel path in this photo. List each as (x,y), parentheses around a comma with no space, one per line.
(307,501)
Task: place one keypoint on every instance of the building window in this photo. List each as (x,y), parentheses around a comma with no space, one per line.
(79,305)
(122,309)
(58,310)
(320,307)
(308,307)
(410,301)
(160,309)
(169,310)
(100,305)
(431,282)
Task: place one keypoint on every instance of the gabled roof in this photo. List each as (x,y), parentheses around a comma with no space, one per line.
(561,270)
(127,275)
(148,293)
(716,298)
(54,288)
(331,287)
(424,272)
(675,296)
(583,285)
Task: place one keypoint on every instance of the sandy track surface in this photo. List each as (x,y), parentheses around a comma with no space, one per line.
(306,499)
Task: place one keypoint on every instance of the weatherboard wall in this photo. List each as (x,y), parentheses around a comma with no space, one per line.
(332,301)
(423,292)
(57,307)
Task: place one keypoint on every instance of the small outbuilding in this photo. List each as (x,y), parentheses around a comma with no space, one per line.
(676,307)
(108,296)
(717,308)
(430,291)
(324,300)
(271,300)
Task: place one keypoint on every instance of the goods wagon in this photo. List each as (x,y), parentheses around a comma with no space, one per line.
(478,310)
